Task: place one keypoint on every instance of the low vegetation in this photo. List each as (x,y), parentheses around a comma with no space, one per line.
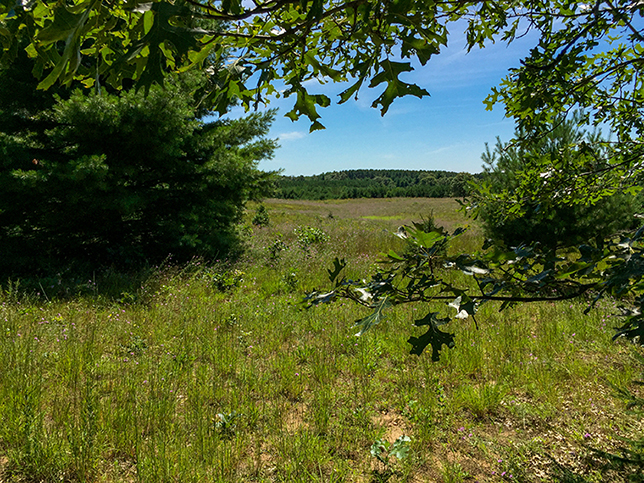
(214,372)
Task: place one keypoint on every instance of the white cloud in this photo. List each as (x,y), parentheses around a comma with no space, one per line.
(291,136)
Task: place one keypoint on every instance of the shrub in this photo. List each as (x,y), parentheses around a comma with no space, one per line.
(308,236)
(261,218)
(228,279)
(549,223)
(125,180)
(276,248)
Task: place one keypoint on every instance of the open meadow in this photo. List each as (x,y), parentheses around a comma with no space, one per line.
(213,372)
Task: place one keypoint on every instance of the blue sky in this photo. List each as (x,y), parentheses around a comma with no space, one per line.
(446,131)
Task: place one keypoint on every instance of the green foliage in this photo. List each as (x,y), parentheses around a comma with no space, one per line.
(547,222)
(227,279)
(139,42)
(631,455)
(434,337)
(276,248)
(124,180)
(290,282)
(373,183)
(261,218)
(454,473)
(307,236)
(383,450)
(483,401)
(426,272)
(372,44)
(587,57)
(374,319)
(226,424)
(414,275)
(586,62)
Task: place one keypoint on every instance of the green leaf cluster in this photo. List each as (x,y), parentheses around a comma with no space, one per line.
(123,179)
(545,219)
(422,273)
(383,450)
(255,50)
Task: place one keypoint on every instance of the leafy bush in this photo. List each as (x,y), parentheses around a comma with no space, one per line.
(552,224)
(290,282)
(228,279)
(261,217)
(308,236)
(276,248)
(125,180)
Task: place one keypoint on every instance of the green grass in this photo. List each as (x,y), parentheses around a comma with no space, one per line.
(214,373)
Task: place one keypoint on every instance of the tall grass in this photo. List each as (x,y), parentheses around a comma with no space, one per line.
(212,372)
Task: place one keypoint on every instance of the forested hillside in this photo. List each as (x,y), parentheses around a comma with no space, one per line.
(374,183)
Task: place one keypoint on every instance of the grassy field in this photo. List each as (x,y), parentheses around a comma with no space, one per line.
(214,373)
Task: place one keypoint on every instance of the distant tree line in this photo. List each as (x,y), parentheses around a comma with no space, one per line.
(374,183)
